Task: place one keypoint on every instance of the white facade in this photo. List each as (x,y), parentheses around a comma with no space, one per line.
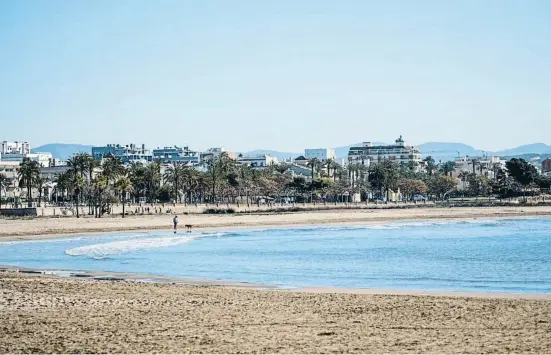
(322,154)
(10,169)
(399,153)
(22,148)
(483,166)
(257,161)
(44,159)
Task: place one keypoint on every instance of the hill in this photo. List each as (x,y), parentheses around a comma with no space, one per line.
(63,151)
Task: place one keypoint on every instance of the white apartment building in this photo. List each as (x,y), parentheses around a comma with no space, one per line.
(22,148)
(44,159)
(399,153)
(257,161)
(481,166)
(10,169)
(322,154)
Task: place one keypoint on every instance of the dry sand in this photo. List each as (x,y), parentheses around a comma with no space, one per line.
(46,314)
(40,227)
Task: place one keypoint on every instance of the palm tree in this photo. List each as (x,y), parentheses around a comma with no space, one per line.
(448,168)
(39,184)
(430,165)
(4,183)
(175,175)
(112,168)
(314,163)
(124,186)
(29,173)
(474,162)
(152,177)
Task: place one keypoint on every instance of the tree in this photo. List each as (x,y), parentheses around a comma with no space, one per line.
(217,167)
(411,187)
(522,171)
(430,165)
(478,185)
(4,183)
(152,178)
(29,173)
(112,168)
(313,163)
(40,184)
(124,186)
(448,168)
(383,176)
(440,185)
(175,175)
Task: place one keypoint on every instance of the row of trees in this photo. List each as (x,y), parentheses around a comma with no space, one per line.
(99,184)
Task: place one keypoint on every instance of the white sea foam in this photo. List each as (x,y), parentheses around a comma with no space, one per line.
(103,250)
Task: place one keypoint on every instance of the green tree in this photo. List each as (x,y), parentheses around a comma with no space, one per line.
(411,187)
(40,184)
(175,175)
(152,178)
(29,173)
(447,168)
(314,164)
(124,187)
(383,176)
(440,185)
(430,165)
(522,171)
(112,168)
(4,183)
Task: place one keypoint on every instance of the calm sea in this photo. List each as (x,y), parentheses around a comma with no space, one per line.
(503,255)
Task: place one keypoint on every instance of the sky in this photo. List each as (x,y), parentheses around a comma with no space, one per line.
(283,75)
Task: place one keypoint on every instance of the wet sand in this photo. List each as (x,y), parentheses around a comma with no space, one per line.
(48,314)
(22,229)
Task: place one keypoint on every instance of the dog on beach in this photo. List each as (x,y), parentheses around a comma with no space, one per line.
(188,227)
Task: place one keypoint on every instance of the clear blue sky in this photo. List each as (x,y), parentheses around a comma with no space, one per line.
(286,74)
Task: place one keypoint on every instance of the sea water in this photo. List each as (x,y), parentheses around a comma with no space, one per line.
(501,255)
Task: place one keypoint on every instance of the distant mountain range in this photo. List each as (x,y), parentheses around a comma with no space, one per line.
(63,151)
(438,150)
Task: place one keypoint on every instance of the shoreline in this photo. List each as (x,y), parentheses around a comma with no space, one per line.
(114,276)
(36,229)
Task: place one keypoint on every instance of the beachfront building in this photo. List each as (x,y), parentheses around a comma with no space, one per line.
(322,154)
(127,153)
(398,152)
(7,148)
(44,159)
(10,169)
(257,161)
(481,166)
(177,154)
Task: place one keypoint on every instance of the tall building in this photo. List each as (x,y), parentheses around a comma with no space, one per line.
(322,154)
(127,153)
(398,152)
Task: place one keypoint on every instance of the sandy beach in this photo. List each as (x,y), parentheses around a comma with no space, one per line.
(48,314)
(20,229)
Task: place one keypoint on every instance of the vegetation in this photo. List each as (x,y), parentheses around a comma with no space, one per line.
(98,185)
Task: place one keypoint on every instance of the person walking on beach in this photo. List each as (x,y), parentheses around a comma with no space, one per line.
(175,221)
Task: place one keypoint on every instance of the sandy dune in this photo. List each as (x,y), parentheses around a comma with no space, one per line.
(44,314)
